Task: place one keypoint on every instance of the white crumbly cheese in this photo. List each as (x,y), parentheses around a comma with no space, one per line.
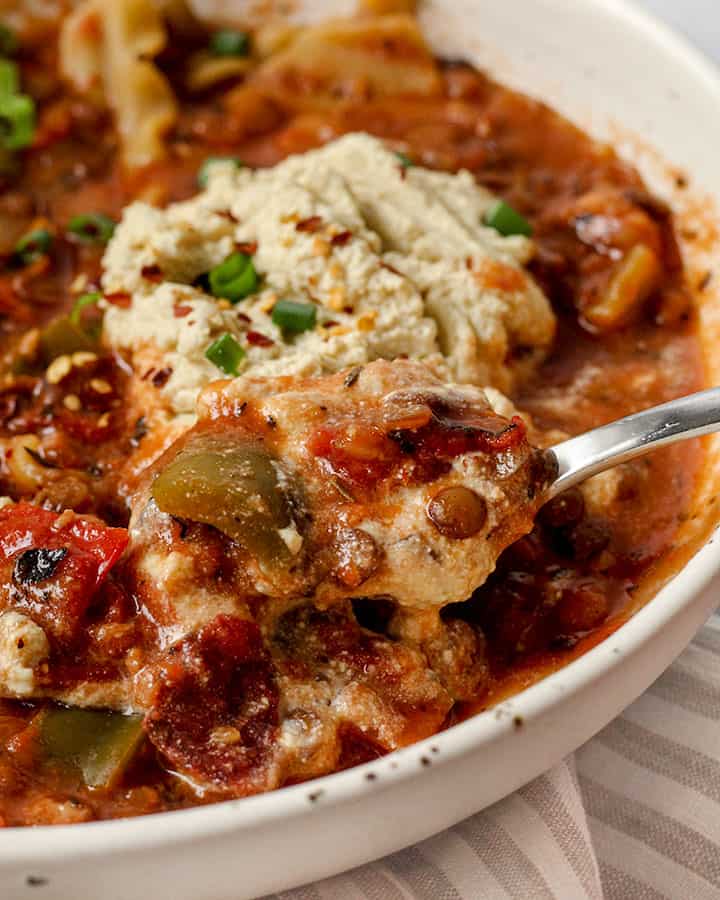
(180,245)
(181,340)
(174,576)
(396,261)
(431,215)
(23,646)
(291,538)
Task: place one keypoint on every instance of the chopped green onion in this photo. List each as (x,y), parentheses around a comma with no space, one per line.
(34,244)
(92,228)
(9,77)
(294,317)
(17,121)
(404,160)
(85,300)
(228,42)
(226,354)
(204,171)
(233,279)
(503,218)
(8,41)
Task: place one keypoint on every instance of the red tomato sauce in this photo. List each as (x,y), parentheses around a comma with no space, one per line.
(554,593)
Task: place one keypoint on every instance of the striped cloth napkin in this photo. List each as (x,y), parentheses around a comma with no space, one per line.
(633,815)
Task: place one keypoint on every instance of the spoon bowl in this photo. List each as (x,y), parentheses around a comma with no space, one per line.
(588,454)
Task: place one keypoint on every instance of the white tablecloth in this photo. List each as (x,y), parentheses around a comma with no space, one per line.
(633,815)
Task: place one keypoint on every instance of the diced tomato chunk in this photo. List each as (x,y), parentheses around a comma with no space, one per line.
(51,565)
(360,454)
(365,453)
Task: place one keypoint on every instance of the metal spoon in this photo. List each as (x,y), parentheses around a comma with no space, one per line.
(605,447)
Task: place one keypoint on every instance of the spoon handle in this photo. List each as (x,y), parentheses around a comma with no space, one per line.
(586,455)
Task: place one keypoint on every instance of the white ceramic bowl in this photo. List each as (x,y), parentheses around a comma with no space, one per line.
(616,72)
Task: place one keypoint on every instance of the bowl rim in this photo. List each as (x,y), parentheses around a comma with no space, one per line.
(87,840)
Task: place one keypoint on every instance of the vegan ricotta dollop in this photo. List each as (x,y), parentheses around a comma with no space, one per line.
(394,259)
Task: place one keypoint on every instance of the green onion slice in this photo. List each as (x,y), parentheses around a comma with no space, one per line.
(226,354)
(92,228)
(204,171)
(294,317)
(34,244)
(233,279)
(8,41)
(9,77)
(503,218)
(228,42)
(17,121)
(404,160)
(81,303)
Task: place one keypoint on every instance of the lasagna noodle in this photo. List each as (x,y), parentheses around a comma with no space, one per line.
(205,70)
(355,50)
(111,45)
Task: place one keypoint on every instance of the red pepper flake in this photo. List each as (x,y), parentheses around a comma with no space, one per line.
(259,340)
(249,248)
(161,377)
(152,273)
(226,214)
(330,323)
(339,240)
(309,225)
(121,300)
(181,311)
(146,375)
(241,317)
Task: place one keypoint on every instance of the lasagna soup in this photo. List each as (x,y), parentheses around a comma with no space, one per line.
(289,317)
